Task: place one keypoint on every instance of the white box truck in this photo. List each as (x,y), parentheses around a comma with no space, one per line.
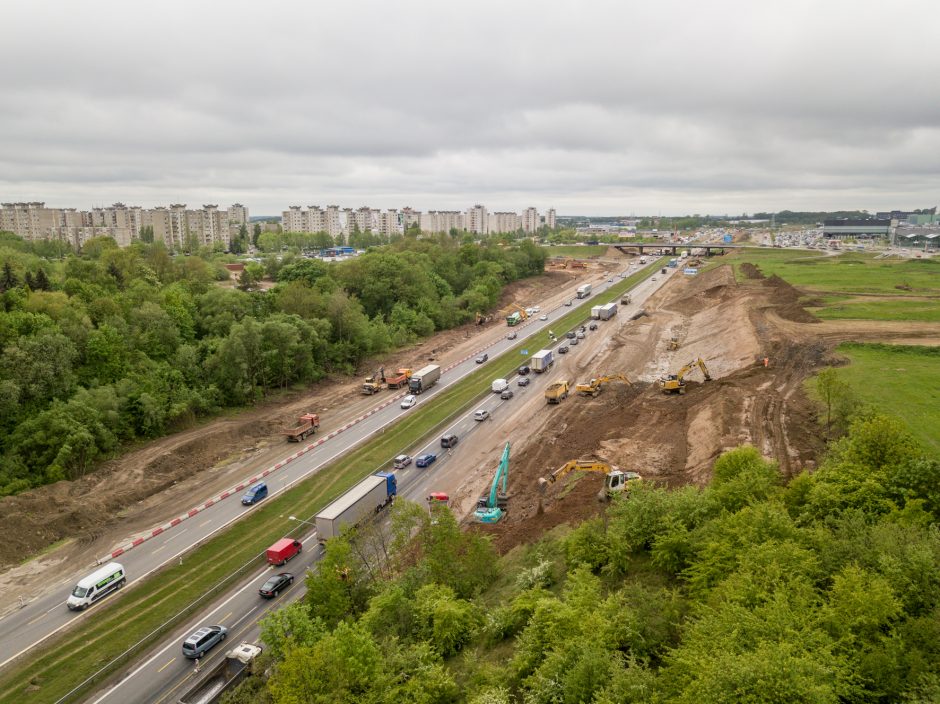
(366,498)
(584,291)
(542,361)
(607,311)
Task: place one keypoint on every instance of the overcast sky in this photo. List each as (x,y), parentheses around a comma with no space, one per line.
(591,107)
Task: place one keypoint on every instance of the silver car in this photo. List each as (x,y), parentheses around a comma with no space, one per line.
(203,640)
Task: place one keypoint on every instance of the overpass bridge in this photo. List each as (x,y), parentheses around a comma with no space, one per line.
(663,247)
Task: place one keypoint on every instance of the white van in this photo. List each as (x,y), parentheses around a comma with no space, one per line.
(98,584)
(499,385)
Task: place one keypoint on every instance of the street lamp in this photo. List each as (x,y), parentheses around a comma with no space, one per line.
(300,520)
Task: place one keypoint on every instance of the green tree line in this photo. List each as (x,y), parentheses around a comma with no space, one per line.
(111,345)
(824,590)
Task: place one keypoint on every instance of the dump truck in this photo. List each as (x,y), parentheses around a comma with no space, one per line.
(308,424)
(399,380)
(229,671)
(584,291)
(368,497)
(556,392)
(424,378)
(542,361)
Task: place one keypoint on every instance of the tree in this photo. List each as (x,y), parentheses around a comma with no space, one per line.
(42,281)
(255,234)
(833,392)
(8,279)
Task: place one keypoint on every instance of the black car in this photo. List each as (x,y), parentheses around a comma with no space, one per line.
(506,394)
(276,584)
(563,349)
(570,334)
(523,370)
(523,381)
(593,326)
(482,358)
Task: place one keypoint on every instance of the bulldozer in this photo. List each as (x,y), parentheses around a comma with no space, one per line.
(375,383)
(593,387)
(675,383)
(673,343)
(615,480)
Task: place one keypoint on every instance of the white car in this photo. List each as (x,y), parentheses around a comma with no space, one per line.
(409,401)
(481,414)
(543,317)
(536,309)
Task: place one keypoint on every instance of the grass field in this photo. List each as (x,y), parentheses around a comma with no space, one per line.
(849,272)
(841,308)
(576,251)
(901,380)
(150,609)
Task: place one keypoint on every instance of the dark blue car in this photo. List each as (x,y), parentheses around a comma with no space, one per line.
(255,494)
(425,460)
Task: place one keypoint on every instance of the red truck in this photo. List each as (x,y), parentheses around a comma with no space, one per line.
(283,550)
(399,380)
(309,422)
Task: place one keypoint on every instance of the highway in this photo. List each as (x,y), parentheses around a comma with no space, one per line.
(163,674)
(46,614)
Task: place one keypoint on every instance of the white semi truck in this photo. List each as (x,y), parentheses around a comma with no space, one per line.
(366,498)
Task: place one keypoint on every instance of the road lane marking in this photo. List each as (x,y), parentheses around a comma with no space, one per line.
(205,523)
(222,620)
(156,550)
(176,534)
(247,614)
(172,660)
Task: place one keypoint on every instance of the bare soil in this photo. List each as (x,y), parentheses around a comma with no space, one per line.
(154,482)
(674,439)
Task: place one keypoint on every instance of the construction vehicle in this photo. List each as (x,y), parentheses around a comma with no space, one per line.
(492,507)
(673,343)
(593,387)
(374,383)
(675,383)
(308,424)
(615,480)
(625,299)
(225,675)
(400,380)
(514,313)
(557,392)
(482,319)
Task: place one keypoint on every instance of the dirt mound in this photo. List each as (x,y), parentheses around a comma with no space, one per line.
(751,271)
(787,301)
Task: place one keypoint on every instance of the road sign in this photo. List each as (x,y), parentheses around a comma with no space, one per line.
(525,352)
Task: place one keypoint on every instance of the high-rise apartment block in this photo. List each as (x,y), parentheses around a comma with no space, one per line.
(175,226)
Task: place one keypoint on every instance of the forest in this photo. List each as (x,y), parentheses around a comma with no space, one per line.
(822,590)
(111,345)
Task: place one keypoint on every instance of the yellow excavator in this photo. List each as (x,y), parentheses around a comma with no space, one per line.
(615,480)
(375,383)
(673,343)
(675,383)
(593,387)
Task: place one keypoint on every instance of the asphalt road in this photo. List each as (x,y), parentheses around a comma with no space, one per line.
(46,614)
(164,674)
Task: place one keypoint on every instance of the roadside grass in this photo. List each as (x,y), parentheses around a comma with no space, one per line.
(924,310)
(576,251)
(148,610)
(901,380)
(851,272)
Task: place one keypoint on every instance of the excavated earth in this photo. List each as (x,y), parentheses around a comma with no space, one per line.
(674,439)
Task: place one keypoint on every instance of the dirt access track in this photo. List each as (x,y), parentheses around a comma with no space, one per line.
(149,485)
(672,439)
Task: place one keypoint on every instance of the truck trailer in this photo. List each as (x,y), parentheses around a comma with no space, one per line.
(424,378)
(606,311)
(226,674)
(584,291)
(542,361)
(368,497)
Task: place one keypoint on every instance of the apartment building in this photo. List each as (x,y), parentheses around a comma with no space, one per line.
(550,218)
(500,222)
(442,221)
(410,217)
(476,220)
(530,220)
(237,216)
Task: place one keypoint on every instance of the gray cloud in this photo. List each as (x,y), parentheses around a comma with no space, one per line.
(591,107)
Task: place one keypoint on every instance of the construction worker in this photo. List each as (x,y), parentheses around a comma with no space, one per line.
(766,362)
